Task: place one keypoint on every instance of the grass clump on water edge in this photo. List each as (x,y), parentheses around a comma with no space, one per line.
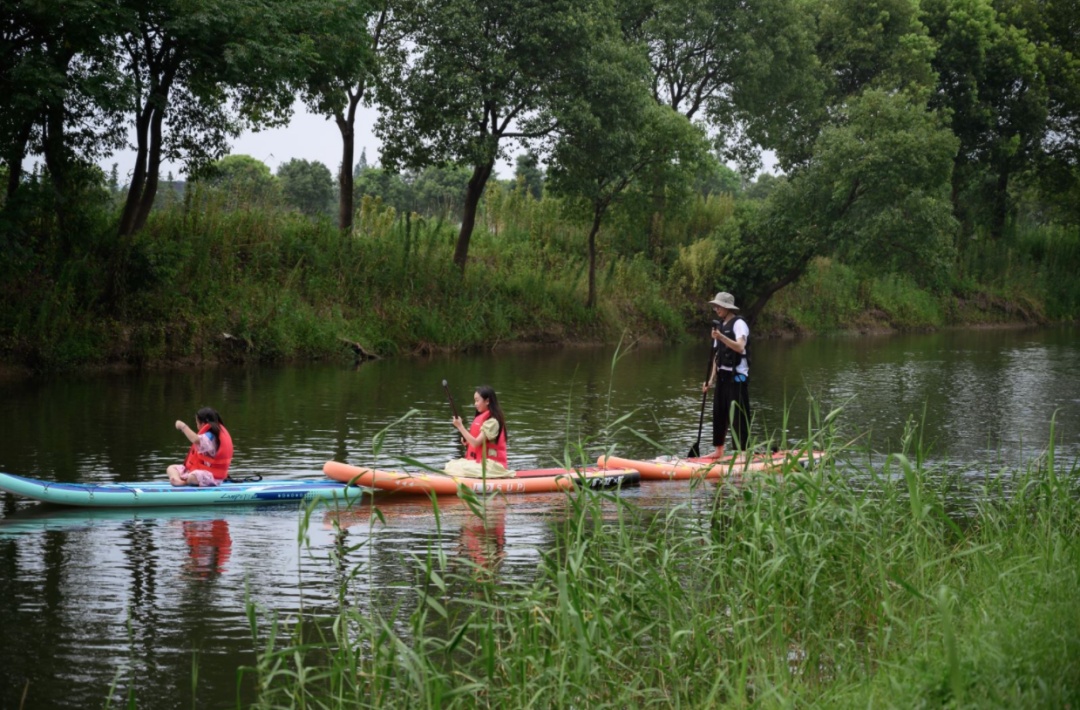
(843,585)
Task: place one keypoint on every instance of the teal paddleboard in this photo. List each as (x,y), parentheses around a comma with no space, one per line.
(157,493)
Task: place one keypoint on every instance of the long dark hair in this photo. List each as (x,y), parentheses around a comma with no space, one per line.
(486,392)
(209,415)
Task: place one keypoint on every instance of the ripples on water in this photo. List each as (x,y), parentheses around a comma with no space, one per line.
(87,595)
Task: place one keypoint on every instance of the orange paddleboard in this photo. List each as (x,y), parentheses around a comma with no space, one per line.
(667,468)
(532,481)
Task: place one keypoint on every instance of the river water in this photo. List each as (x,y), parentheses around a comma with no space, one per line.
(119,604)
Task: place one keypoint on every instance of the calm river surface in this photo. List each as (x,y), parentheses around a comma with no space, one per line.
(100,605)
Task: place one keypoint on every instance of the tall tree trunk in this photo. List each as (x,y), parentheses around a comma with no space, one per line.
(473,193)
(58,158)
(346,123)
(590,302)
(153,168)
(58,163)
(14,178)
(138,174)
(954,198)
(148,140)
(598,216)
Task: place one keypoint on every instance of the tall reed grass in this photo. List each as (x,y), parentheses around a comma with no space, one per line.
(842,585)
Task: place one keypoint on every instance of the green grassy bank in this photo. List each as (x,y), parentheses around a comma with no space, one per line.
(207,280)
(841,586)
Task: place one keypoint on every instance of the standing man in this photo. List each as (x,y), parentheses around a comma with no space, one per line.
(730,374)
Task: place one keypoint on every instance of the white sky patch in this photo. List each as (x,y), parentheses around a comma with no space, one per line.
(306,137)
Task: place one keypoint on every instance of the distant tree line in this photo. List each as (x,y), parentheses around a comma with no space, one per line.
(905,130)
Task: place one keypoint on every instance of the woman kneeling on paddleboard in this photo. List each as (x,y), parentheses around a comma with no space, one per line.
(485,440)
(207,462)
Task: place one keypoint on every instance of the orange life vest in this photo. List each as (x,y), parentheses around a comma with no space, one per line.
(495,452)
(218,464)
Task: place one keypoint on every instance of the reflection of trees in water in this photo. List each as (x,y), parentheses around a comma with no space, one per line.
(22,585)
(143,557)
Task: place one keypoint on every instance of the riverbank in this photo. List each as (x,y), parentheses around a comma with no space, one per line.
(120,355)
(224,286)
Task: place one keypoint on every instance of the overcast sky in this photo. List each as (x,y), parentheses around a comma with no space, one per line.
(307,137)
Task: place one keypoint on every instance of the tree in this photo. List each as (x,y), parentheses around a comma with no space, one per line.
(200,72)
(763,186)
(59,94)
(387,186)
(715,178)
(993,85)
(528,174)
(876,191)
(244,179)
(439,192)
(1054,26)
(348,39)
(596,168)
(715,60)
(476,77)
(858,46)
(742,70)
(865,157)
(619,135)
(307,186)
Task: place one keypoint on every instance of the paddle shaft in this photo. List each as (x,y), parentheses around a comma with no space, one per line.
(695,450)
(453,407)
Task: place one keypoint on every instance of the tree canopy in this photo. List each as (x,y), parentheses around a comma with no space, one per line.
(479,77)
(626,114)
(307,186)
(876,192)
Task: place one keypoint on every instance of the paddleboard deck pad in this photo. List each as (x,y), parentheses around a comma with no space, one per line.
(158,493)
(668,468)
(543,480)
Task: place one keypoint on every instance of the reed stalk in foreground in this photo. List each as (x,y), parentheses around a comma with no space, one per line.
(842,586)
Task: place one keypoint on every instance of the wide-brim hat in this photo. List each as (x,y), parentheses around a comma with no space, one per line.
(724,300)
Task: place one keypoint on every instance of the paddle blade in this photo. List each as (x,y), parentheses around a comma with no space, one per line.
(695,450)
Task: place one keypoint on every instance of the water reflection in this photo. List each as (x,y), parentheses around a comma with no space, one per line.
(209,548)
(483,539)
(485,531)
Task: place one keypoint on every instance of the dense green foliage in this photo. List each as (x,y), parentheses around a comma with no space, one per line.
(930,152)
(843,586)
(307,186)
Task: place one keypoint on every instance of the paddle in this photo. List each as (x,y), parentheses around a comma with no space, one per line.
(695,450)
(453,407)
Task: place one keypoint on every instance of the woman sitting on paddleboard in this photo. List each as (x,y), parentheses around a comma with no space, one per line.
(207,462)
(485,440)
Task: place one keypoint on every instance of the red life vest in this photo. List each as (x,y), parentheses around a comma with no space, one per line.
(495,452)
(219,463)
